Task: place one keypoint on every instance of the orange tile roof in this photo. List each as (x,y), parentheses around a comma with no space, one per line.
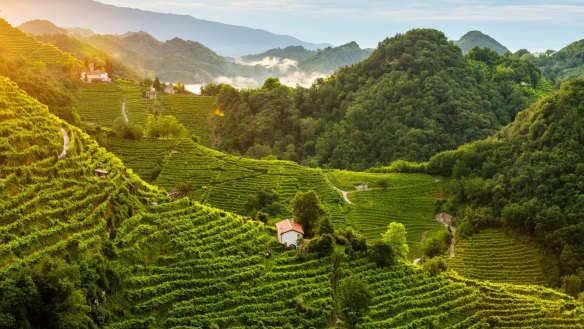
(287,226)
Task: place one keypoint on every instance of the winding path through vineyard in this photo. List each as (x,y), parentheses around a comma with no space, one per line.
(65,143)
(344,193)
(446,219)
(124,110)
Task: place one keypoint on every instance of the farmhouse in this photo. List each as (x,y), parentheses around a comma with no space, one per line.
(289,232)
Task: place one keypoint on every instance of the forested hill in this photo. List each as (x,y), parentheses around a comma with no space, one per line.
(563,65)
(530,177)
(478,39)
(414,96)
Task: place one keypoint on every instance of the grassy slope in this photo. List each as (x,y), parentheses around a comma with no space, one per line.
(187,265)
(407,199)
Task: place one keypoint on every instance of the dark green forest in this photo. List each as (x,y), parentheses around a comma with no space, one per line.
(415,96)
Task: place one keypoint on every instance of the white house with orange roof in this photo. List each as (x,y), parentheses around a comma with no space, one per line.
(289,232)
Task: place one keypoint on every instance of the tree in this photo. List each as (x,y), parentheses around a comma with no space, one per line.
(307,210)
(322,245)
(435,266)
(164,126)
(354,299)
(325,227)
(382,253)
(157,85)
(395,236)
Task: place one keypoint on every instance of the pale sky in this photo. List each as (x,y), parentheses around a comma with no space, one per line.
(536,25)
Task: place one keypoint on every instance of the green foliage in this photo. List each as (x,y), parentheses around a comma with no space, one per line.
(435,266)
(437,245)
(355,299)
(322,245)
(123,129)
(325,227)
(395,236)
(563,65)
(264,201)
(307,211)
(383,254)
(164,126)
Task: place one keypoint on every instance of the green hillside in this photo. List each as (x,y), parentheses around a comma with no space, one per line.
(331,59)
(478,39)
(81,251)
(528,177)
(40,27)
(227,182)
(102,103)
(18,43)
(407,199)
(563,65)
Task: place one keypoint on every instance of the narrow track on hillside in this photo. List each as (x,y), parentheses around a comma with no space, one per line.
(65,143)
(446,219)
(422,240)
(344,193)
(124,110)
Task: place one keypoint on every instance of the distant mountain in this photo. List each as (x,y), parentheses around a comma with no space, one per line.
(39,26)
(323,61)
(228,40)
(297,53)
(172,60)
(330,59)
(476,38)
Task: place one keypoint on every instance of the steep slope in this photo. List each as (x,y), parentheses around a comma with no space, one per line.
(41,69)
(529,177)
(228,40)
(81,251)
(478,39)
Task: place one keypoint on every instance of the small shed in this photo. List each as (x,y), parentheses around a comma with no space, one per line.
(362,187)
(289,232)
(101,173)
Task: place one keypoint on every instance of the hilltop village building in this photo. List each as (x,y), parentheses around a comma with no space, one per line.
(289,232)
(94,75)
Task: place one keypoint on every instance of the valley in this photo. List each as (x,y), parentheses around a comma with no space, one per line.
(429,183)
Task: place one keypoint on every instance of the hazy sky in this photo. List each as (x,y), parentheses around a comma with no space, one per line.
(535,25)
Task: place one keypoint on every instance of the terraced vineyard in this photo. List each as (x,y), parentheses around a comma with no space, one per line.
(407,199)
(102,103)
(494,256)
(186,265)
(99,102)
(18,43)
(192,111)
(145,156)
(226,181)
(74,202)
(213,272)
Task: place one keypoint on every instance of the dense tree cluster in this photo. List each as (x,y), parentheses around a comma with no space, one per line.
(416,95)
(529,176)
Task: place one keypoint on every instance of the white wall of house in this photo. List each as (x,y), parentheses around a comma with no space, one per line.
(289,238)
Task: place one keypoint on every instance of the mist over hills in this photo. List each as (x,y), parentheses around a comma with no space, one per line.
(228,40)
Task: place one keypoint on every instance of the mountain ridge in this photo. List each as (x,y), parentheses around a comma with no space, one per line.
(226,39)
